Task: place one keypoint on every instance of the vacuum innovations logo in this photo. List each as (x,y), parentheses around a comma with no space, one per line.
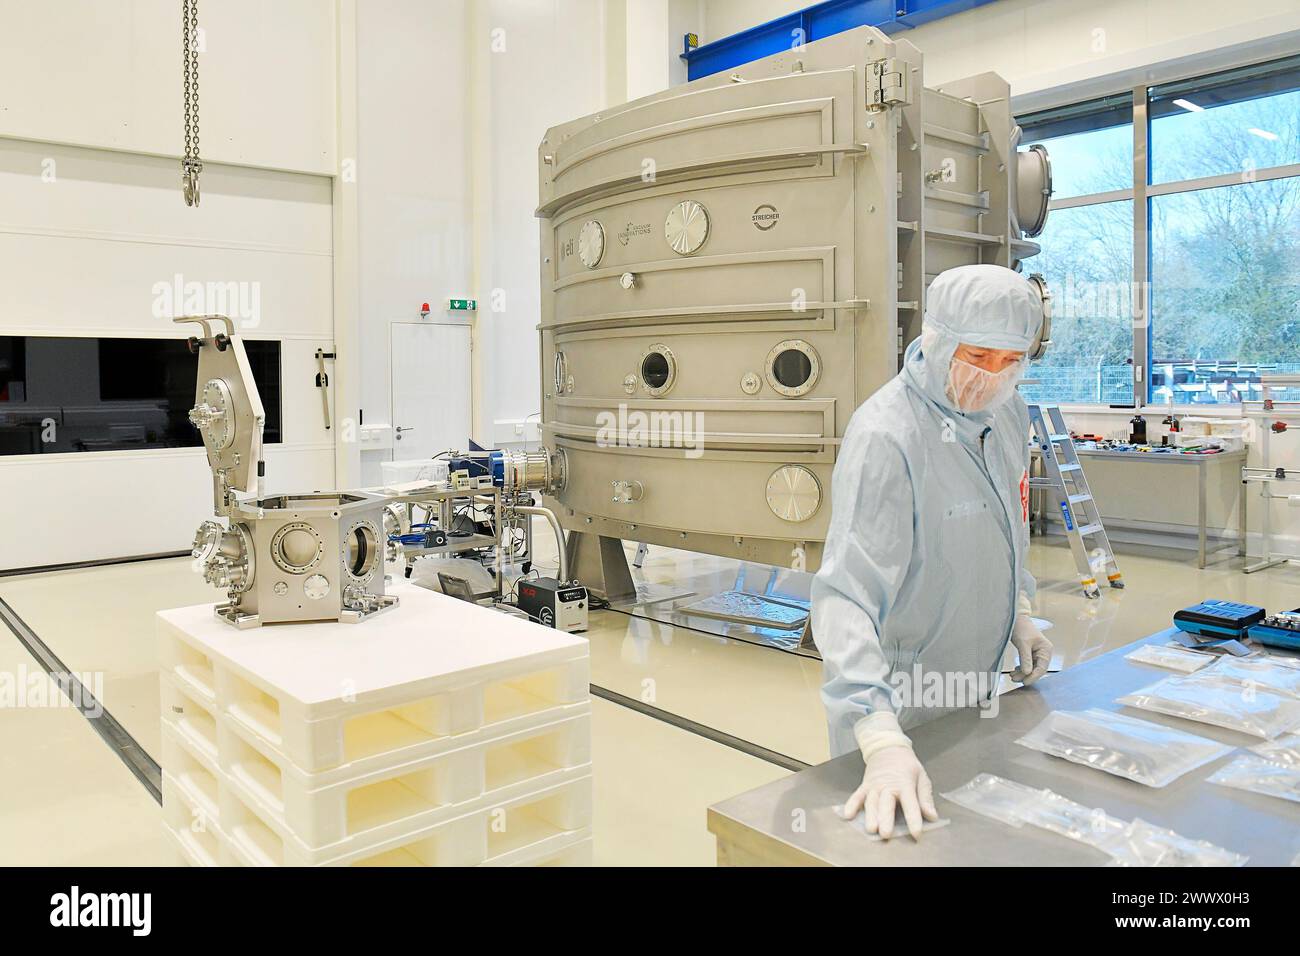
(134,910)
(633,229)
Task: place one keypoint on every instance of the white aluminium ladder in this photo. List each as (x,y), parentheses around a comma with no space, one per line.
(1063,478)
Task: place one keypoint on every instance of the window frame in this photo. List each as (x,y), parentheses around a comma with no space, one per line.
(1141,192)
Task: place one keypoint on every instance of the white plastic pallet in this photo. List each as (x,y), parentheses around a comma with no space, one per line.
(548,827)
(192,827)
(185,852)
(323,809)
(576,852)
(200,718)
(399,687)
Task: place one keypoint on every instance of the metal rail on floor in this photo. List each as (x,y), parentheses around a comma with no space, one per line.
(100,563)
(701,730)
(128,750)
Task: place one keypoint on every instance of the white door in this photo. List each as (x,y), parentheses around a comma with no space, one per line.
(431,389)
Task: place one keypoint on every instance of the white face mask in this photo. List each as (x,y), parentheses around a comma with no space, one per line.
(972,389)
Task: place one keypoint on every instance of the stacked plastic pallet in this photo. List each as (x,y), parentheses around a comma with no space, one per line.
(438,734)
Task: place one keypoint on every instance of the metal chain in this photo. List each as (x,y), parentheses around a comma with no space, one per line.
(190,164)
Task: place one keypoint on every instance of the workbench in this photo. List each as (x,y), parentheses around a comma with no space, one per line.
(1218,489)
(792,821)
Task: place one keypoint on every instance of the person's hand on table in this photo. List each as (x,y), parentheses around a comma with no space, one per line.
(1034,649)
(891,778)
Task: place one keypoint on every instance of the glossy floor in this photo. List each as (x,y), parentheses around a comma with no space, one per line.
(68,799)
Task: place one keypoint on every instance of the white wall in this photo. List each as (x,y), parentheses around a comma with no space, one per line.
(537,63)
(453,99)
(413,180)
(91,221)
(649,47)
(722,18)
(107,73)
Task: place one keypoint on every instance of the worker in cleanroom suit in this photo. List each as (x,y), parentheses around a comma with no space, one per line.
(923,573)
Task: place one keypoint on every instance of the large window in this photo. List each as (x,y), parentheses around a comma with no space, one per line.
(1236,122)
(1091,145)
(1087,255)
(111,394)
(1214,251)
(1225,290)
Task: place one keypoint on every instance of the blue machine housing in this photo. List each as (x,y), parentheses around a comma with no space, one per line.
(481,462)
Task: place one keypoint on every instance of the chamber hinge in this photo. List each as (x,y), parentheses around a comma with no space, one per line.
(887,85)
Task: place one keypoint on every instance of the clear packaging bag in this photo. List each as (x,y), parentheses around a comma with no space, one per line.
(1215,699)
(1136,750)
(1171,658)
(1090,825)
(1260,775)
(996,797)
(1144,844)
(1265,673)
(1127,844)
(1284,750)
(1016,804)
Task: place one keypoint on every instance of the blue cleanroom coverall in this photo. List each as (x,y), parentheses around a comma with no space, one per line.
(924,562)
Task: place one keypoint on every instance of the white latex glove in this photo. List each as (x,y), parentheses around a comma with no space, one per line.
(892,777)
(1034,649)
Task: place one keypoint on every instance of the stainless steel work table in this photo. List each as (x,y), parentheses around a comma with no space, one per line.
(1228,485)
(792,821)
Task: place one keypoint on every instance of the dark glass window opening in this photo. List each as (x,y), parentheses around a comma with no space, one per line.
(111,394)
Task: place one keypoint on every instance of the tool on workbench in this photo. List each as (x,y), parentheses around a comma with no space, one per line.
(1218,620)
(1063,475)
(1278,630)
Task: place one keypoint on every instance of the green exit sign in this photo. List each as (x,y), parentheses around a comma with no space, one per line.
(462,305)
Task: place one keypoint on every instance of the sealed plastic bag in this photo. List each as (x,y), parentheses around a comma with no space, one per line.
(1169,657)
(1221,701)
(1260,775)
(1143,844)
(1136,750)
(1284,750)
(993,796)
(1128,844)
(1265,673)
(1016,804)
(1090,825)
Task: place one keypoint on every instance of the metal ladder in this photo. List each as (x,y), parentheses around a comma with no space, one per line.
(1064,477)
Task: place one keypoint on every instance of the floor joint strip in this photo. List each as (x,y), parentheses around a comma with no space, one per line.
(142,766)
(99,563)
(700,730)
